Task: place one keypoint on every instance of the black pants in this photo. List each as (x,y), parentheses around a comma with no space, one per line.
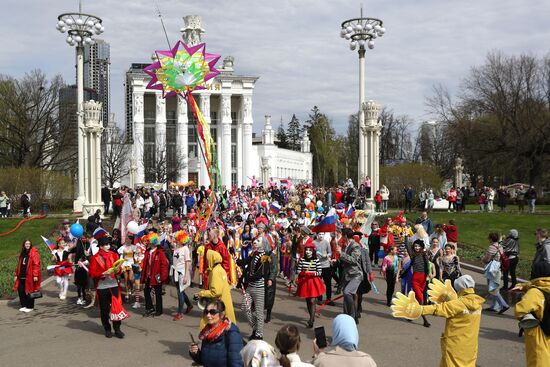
(105,297)
(24,298)
(408,205)
(158,297)
(106,205)
(327,279)
(373,253)
(513,265)
(390,285)
(336,270)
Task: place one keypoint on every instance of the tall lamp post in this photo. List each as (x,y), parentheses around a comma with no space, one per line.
(361,33)
(80,29)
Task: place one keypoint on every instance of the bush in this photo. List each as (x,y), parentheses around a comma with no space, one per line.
(43,186)
(417,175)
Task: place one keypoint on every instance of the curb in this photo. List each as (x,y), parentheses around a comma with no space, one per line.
(6,302)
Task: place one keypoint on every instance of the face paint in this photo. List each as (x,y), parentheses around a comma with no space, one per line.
(308,252)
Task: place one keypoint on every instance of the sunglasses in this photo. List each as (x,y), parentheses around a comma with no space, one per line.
(212,312)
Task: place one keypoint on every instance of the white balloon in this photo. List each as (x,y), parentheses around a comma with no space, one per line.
(307,201)
(132,227)
(319,203)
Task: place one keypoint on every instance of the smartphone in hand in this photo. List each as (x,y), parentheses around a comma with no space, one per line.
(320,337)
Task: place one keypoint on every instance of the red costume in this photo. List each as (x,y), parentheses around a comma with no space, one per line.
(155,265)
(309,282)
(101,262)
(33,270)
(221,248)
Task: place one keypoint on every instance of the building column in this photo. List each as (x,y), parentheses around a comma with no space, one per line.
(204,102)
(182,140)
(139,135)
(240,150)
(371,133)
(160,130)
(92,130)
(247,139)
(225,164)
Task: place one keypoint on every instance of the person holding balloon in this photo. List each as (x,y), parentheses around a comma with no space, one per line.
(82,254)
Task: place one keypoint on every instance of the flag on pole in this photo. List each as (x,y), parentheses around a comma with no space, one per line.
(140,233)
(350,211)
(328,224)
(49,243)
(275,207)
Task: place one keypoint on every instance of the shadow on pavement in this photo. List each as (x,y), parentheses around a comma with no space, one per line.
(496,334)
(86,325)
(177,348)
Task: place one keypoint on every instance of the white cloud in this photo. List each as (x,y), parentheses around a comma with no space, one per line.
(293,46)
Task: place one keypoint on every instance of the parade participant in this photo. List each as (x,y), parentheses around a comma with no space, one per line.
(459,343)
(181,272)
(288,343)
(271,281)
(27,276)
(82,254)
(103,270)
(155,273)
(218,288)
(256,274)
(310,285)
(350,257)
(286,247)
(215,243)
(405,273)
(324,253)
(450,264)
(536,304)
(127,252)
(139,255)
(221,341)
(374,242)
(63,269)
(343,350)
(401,233)
(434,255)
(420,271)
(390,270)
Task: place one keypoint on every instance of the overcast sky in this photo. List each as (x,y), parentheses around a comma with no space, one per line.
(293,46)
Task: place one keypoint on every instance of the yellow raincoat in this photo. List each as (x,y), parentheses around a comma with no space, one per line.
(460,339)
(218,287)
(537,344)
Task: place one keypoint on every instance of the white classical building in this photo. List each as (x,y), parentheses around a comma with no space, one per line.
(164,131)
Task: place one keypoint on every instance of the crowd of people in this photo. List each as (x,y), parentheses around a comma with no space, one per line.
(311,239)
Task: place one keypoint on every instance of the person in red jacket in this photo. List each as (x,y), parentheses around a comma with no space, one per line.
(27,277)
(155,273)
(215,243)
(107,287)
(451,230)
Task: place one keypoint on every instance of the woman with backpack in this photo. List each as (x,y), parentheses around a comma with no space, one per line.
(494,257)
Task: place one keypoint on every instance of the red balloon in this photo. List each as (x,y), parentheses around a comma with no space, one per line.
(264,204)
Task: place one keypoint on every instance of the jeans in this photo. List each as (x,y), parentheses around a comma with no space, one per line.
(182,299)
(497,300)
(531,205)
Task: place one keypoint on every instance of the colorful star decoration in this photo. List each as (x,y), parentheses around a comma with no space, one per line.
(182,69)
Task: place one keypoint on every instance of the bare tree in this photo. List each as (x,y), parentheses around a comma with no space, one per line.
(115,155)
(31,133)
(395,140)
(164,166)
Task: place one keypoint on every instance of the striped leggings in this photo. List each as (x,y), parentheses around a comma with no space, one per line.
(255,313)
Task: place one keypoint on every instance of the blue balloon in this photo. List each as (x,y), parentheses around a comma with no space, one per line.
(77,230)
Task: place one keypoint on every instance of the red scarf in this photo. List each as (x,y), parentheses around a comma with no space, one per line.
(212,332)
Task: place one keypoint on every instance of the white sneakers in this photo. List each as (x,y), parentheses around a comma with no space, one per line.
(136,305)
(80,301)
(62,296)
(25,309)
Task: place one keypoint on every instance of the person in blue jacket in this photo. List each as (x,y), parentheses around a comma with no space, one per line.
(221,340)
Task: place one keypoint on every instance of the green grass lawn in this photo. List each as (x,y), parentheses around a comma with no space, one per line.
(473,229)
(10,246)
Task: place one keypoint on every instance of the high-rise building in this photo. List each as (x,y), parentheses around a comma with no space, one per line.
(97,67)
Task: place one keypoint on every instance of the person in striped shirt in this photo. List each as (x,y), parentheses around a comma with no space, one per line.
(310,284)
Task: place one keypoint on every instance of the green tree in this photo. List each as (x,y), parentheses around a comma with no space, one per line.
(281,136)
(293,134)
(323,148)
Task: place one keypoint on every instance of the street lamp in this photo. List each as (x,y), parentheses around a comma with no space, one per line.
(361,32)
(80,29)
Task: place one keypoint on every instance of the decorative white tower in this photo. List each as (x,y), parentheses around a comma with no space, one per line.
(91,132)
(305,143)
(192,31)
(459,171)
(370,136)
(267,132)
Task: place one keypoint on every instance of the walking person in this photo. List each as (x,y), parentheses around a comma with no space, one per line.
(181,272)
(27,276)
(63,269)
(420,272)
(309,281)
(103,272)
(510,245)
(3,204)
(531,197)
(350,258)
(106,198)
(155,273)
(324,253)
(385,197)
(25,202)
(390,270)
(493,274)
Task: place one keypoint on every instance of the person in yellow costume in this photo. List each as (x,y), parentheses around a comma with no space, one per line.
(537,342)
(463,313)
(218,286)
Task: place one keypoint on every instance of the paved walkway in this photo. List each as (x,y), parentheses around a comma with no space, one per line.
(60,331)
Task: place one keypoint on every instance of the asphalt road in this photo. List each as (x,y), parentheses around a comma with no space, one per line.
(60,332)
